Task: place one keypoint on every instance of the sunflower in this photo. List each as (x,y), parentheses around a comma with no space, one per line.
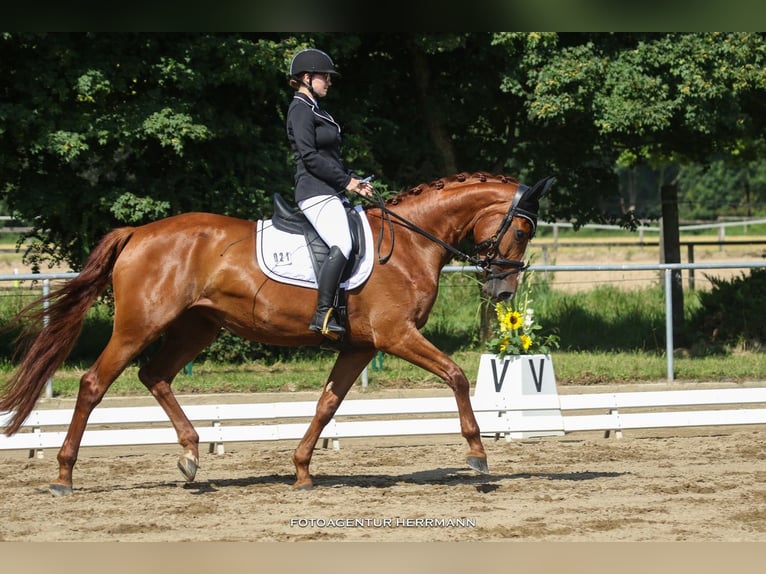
(526,342)
(515,320)
(507,319)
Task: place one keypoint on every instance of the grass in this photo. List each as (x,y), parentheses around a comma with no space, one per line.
(572,368)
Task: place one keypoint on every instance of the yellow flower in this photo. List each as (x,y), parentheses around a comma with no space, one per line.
(506,319)
(500,312)
(526,342)
(514,320)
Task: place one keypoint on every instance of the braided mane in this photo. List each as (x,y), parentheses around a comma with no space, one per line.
(453,181)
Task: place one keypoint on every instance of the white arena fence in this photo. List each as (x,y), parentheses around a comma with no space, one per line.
(528,415)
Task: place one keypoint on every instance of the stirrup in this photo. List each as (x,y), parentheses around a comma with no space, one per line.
(329,327)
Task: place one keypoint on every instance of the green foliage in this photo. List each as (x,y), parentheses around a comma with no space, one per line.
(99,130)
(67,145)
(732,314)
(231,349)
(133,210)
(721,189)
(172,129)
(686,88)
(606,101)
(103,130)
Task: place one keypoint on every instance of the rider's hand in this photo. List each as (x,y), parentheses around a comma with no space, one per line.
(362,188)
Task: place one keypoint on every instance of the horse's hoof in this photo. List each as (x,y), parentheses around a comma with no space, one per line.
(479,464)
(60,490)
(303,486)
(188,466)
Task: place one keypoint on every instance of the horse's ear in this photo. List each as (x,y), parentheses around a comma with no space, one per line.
(530,199)
(538,190)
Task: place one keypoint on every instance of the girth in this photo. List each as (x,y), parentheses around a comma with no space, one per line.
(292,220)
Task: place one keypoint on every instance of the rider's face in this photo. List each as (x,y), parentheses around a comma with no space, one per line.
(320,83)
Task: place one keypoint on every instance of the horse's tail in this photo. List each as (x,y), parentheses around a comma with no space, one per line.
(43,345)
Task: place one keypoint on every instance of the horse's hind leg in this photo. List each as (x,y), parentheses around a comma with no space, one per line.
(184,339)
(93,385)
(347,367)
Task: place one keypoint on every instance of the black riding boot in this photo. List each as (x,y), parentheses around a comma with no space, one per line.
(325,321)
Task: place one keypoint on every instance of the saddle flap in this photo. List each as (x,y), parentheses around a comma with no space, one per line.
(292,220)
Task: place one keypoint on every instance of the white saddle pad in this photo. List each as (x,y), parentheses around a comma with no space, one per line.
(285,257)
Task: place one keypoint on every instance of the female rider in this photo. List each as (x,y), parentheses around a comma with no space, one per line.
(321,179)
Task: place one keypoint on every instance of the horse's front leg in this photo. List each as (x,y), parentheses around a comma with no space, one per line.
(416,349)
(476,457)
(347,367)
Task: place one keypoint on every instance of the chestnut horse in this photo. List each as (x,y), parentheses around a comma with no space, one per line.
(188,276)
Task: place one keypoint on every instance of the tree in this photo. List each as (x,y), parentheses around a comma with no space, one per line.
(103,130)
(638,99)
(641,99)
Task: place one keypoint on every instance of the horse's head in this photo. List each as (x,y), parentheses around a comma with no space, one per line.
(503,251)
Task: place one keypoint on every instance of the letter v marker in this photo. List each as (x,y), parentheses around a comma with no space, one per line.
(499,382)
(538,380)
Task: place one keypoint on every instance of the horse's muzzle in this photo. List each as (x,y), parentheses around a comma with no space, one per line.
(499,290)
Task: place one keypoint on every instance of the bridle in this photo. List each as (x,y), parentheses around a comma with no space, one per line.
(490,247)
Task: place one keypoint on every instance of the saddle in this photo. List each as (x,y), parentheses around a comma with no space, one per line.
(292,220)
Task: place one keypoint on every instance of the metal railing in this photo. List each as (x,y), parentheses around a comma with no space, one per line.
(666,268)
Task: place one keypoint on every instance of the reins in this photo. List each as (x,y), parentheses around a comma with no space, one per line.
(491,245)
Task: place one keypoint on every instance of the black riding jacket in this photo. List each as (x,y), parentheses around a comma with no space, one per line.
(315,139)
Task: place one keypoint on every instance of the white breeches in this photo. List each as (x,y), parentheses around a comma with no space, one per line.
(328,216)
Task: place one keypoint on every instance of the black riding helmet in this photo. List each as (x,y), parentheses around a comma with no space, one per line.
(313,61)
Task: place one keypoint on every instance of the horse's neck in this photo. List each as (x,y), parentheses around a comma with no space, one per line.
(448,214)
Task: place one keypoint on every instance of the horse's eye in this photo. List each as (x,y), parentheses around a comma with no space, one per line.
(521,235)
